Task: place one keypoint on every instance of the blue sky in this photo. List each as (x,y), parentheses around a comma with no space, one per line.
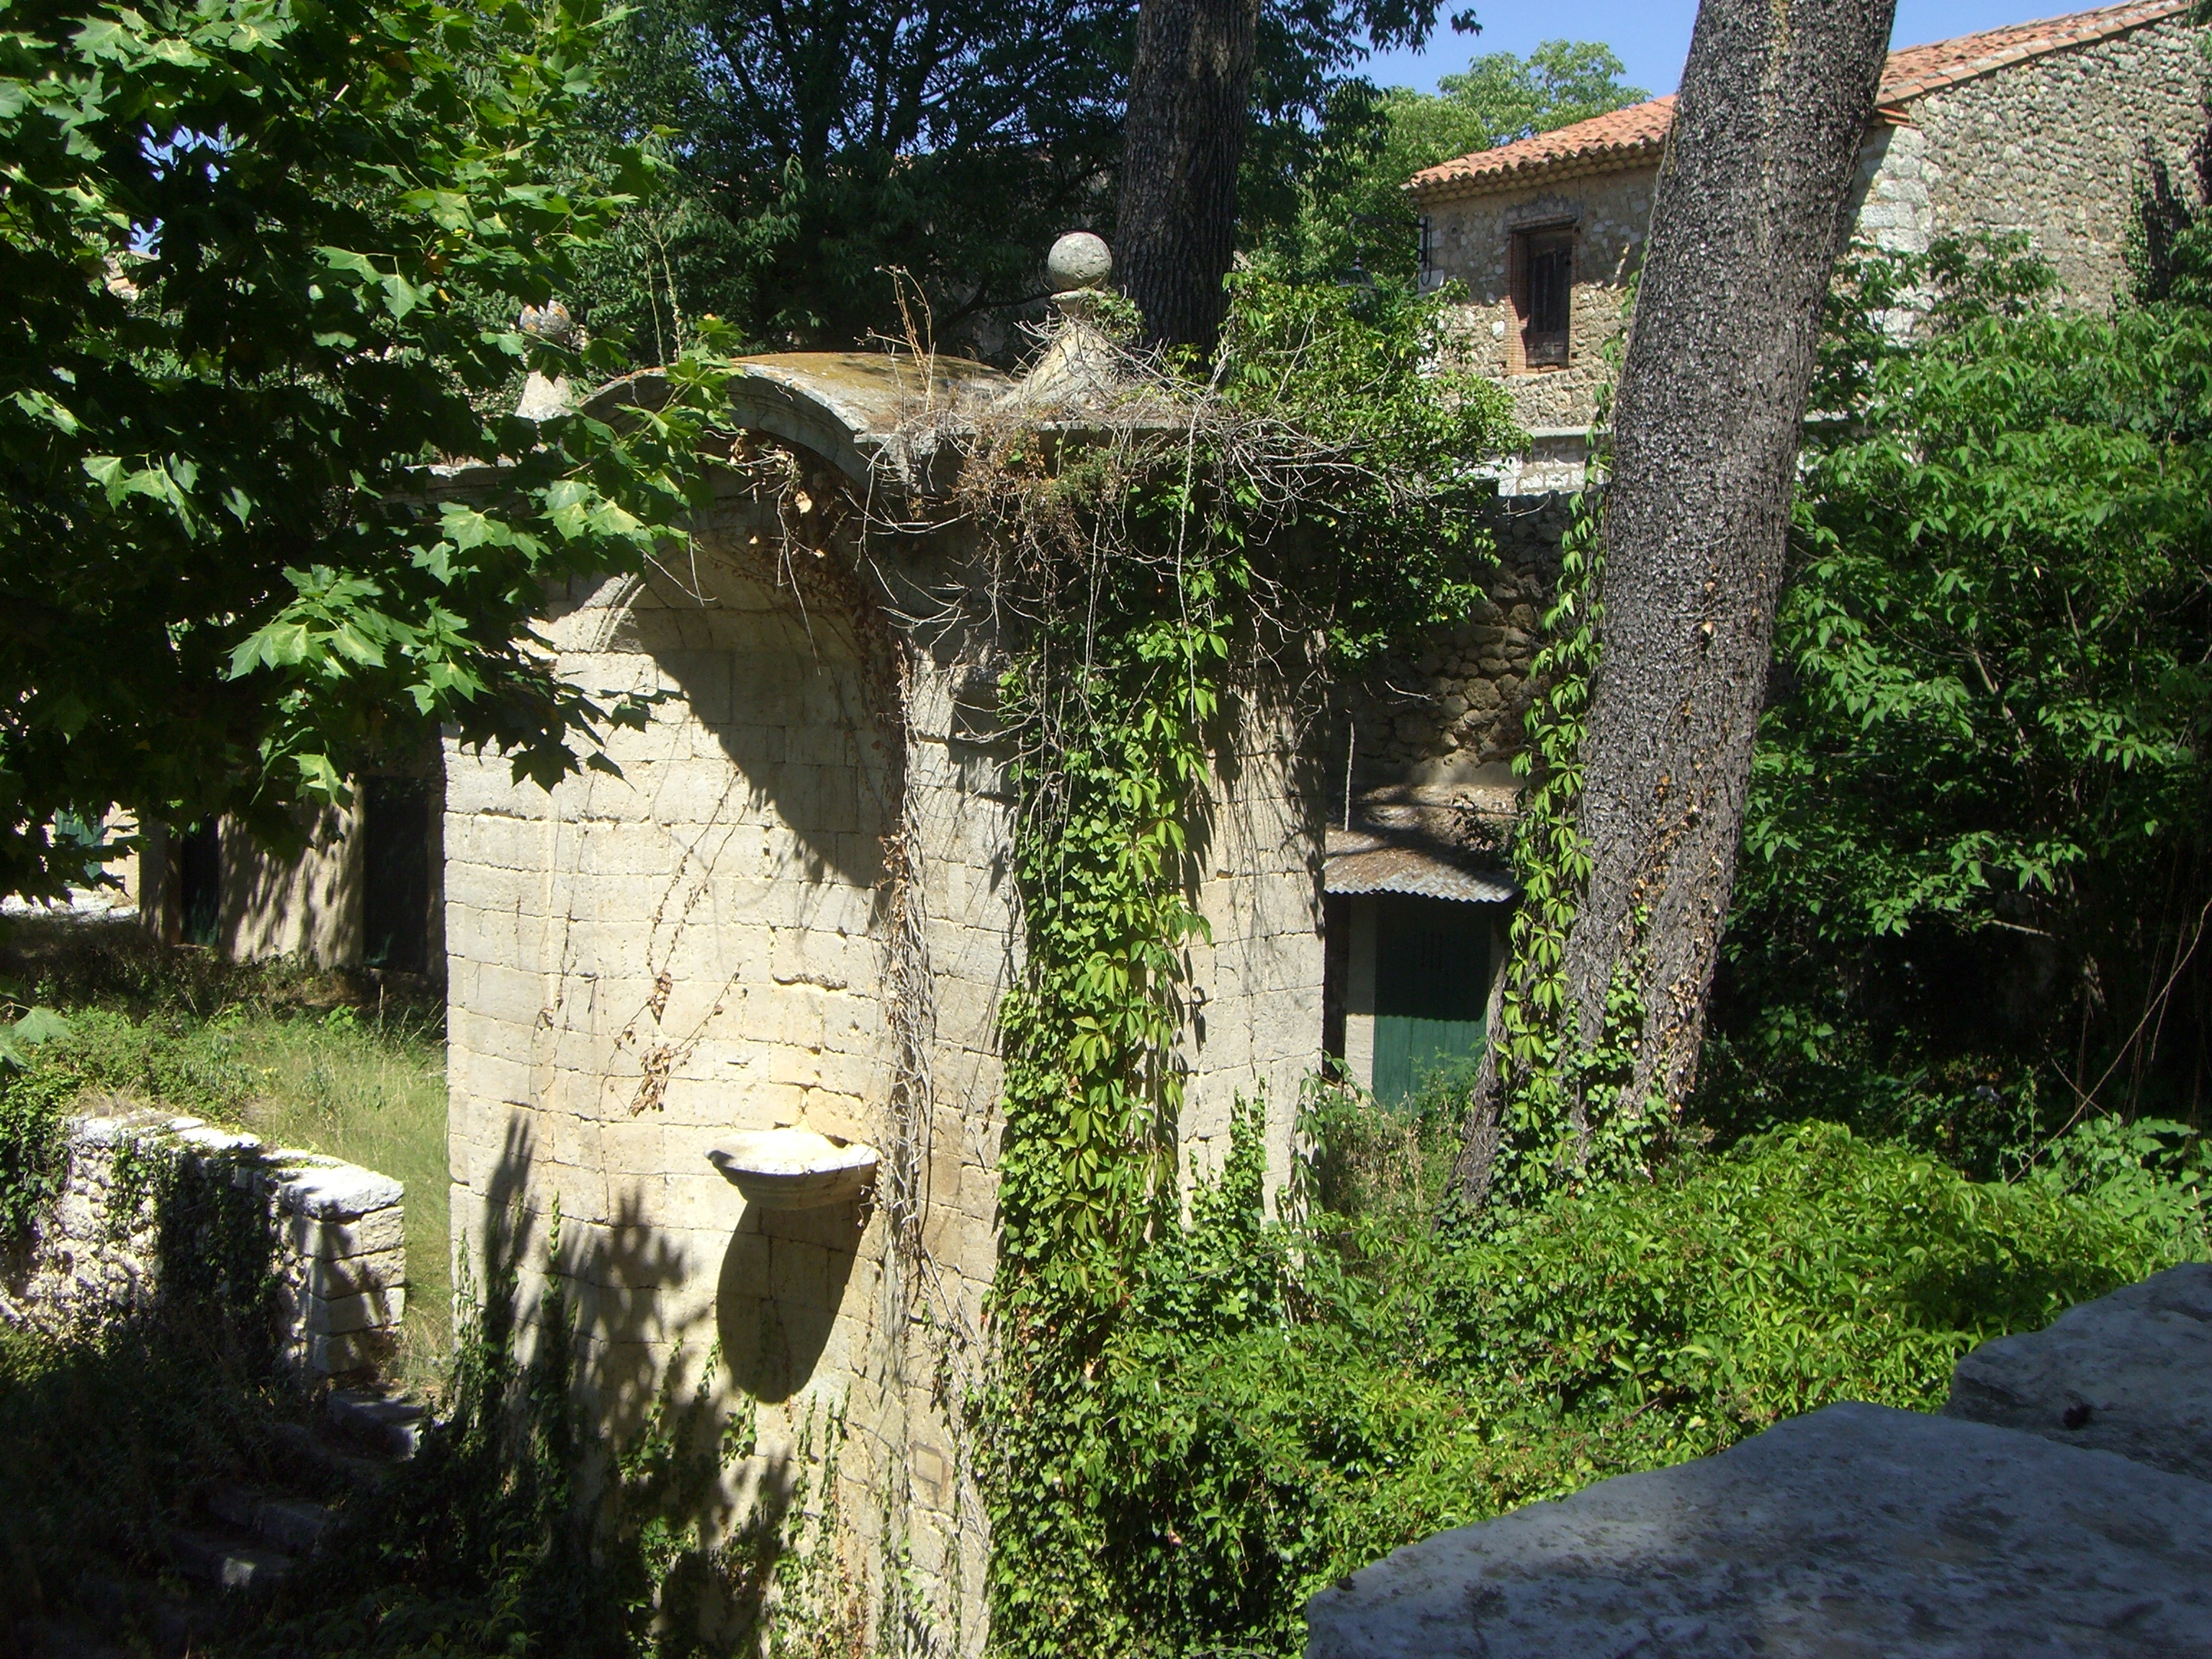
(1652,36)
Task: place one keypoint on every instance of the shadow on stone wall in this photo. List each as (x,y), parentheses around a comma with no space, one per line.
(782,1283)
(590,1481)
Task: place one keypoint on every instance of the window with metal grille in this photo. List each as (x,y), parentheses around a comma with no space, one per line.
(1545,267)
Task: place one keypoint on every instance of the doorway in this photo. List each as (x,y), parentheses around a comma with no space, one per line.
(1432,989)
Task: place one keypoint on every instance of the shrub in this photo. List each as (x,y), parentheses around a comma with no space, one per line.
(1285,1405)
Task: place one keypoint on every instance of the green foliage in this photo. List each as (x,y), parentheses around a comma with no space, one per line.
(1321,487)
(1972,886)
(272,1048)
(1352,214)
(110,1443)
(824,154)
(819,151)
(518,1528)
(32,1149)
(1391,515)
(185,1066)
(250,249)
(114,1435)
(2152,1170)
(1279,1406)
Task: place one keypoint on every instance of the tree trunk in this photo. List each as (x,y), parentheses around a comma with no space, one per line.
(1753,204)
(1190,98)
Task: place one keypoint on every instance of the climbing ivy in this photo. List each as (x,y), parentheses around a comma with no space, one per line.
(1314,499)
(1547,1114)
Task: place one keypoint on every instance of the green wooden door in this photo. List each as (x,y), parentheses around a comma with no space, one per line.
(1431,988)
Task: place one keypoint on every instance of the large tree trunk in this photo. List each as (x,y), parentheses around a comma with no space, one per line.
(1190,98)
(1751,211)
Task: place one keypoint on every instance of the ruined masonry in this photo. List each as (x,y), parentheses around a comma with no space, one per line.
(146,1198)
(2060,1508)
(788,924)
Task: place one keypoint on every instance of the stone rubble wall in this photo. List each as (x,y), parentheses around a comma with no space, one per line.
(1449,708)
(334,1237)
(2055,147)
(1469,242)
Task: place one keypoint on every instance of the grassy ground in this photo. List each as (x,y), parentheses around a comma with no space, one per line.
(329,1063)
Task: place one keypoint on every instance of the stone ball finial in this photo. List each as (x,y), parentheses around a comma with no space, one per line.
(1077,260)
(549,322)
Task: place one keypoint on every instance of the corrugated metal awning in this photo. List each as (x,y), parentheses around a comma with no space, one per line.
(1361,861)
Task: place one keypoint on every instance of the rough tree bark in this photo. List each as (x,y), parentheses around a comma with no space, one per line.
(1751,211)
(1190,98)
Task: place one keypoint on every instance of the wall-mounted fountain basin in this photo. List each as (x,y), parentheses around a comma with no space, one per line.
(795,1169)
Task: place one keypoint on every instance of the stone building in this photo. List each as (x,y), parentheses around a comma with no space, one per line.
(2047,128)
(365,891)
(788,925)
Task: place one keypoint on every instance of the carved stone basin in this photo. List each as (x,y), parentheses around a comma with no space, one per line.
(794,1169)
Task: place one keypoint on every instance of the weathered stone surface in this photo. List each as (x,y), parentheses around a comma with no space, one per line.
(1855,1531)
(327,1190)
(377,1233)
(336,1234)
(2129,1373)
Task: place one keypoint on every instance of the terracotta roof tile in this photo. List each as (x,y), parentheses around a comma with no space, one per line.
(1626,135)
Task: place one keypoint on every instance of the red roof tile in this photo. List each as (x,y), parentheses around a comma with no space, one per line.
(1627,136)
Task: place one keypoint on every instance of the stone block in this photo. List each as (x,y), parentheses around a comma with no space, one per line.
(340,1315)
(335,1354)
(378,1232)
(799,1273)
(332,1278)
(324,1189)
(2129,1373)
(1855,1531)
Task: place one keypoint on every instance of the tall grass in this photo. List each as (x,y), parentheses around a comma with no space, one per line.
(372,1092)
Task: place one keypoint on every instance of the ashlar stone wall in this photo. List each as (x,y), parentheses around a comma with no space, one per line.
(641,965)
(795,907)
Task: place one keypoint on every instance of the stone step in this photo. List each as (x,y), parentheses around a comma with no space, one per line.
(313,1451)
(226,1560)
(294,1524)
(390,1424)
(114,1617)
(2129,1373)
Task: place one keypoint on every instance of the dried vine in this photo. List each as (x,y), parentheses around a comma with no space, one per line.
(1161,556)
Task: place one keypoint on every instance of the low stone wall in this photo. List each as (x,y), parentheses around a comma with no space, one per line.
(151,1203)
